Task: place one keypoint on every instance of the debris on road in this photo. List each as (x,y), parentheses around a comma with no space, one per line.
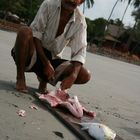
(34,107)
(21,113)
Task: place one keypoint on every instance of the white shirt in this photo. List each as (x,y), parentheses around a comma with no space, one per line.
(45,26)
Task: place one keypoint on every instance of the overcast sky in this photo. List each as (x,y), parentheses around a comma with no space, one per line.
(102,8)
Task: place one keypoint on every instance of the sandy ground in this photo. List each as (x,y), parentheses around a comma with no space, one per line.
(113,92)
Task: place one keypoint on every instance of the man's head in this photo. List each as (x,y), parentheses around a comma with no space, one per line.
(71,4)
(77,1)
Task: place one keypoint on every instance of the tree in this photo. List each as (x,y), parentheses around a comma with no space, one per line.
(118,22)
(25,9)
(95,29)
(136,14)
(120,26)
(113,9)
(133,40)
(90,29)
(29,9)
(136,3)
(129,1)
(108,20)
(10,6)
(88,3)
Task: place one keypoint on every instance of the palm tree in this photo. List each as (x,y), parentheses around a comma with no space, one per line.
(113,9)
(129,1)
(111,14)
(136,14)
(136,3)
(88,3)
(119,27)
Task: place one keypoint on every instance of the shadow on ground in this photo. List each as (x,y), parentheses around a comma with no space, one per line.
(7,85)
(9,88)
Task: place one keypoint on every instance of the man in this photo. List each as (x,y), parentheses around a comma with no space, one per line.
(38,48)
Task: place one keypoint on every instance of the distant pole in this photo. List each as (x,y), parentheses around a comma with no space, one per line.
(112,10)
(111,13)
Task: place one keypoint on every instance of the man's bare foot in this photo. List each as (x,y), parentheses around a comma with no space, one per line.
(21,86)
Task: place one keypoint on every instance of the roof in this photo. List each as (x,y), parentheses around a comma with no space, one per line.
(115,30)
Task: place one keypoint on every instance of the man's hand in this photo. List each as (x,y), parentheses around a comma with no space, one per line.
(48,68)
(49,71)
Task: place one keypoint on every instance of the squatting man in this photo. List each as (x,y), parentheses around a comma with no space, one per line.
(38,48)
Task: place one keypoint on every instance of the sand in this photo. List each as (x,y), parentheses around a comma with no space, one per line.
(113,92)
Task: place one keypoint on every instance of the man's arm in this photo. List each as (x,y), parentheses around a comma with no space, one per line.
(74,71)
(38,27)
(78,55)
(76,66)
(48,69)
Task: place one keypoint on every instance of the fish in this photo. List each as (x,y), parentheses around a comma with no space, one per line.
(98,131)
(61,98)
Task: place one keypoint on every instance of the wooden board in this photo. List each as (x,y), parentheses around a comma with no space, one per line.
(67,118)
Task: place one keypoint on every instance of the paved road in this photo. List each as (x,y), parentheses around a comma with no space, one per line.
(113,92)
(38,124)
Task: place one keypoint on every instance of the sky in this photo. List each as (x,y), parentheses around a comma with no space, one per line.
(102,8)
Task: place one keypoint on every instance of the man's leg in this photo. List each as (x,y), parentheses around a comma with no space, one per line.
(42,85)
(24,48)
(84,76)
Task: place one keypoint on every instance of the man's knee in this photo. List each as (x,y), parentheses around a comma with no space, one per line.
(87,76)
(25,32)
(83,77)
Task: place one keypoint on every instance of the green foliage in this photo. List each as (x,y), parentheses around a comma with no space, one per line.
(90,29)
(8,5)
(25,9)
(29,9)
(136,3)
(89,3)
(136,14)
(137,33)
(95,29)
(117,22)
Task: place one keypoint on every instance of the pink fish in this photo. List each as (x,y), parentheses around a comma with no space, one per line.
(59,97)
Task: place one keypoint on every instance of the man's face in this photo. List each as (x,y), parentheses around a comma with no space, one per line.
(71,4)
